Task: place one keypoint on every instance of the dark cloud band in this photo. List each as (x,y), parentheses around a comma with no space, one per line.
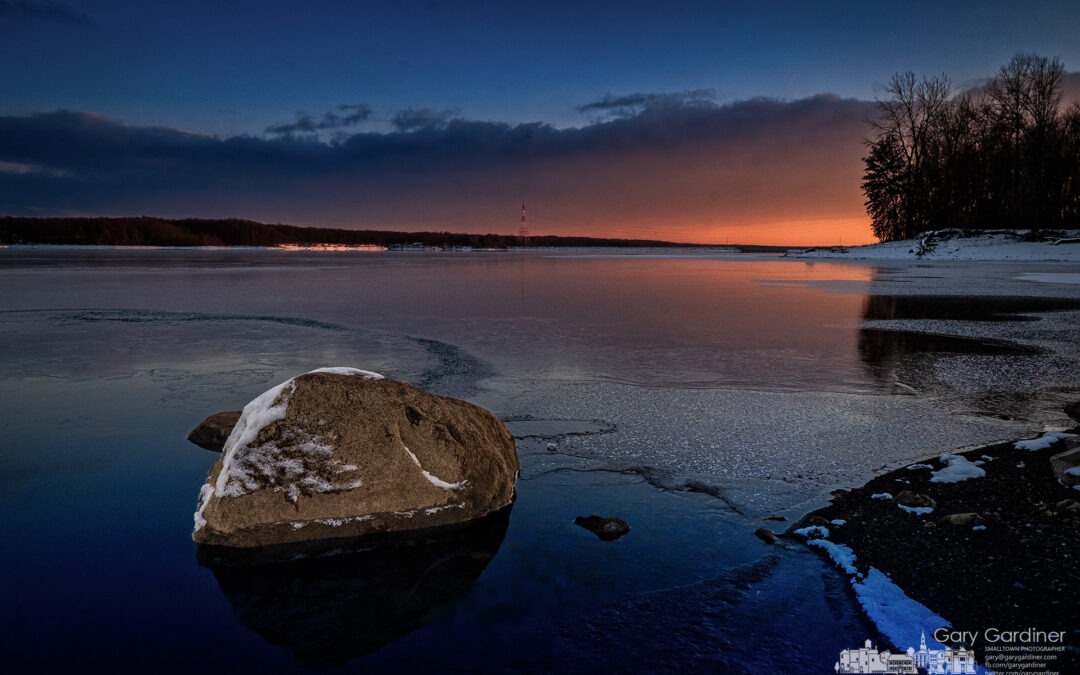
(671,163)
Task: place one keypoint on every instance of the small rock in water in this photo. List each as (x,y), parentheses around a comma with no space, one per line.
(608,529)
(213,431)
(766,535)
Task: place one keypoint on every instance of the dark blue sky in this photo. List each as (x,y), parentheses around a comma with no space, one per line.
(234,67)
(318,72)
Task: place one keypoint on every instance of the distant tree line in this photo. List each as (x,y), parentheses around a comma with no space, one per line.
(1005,156)
(148,231)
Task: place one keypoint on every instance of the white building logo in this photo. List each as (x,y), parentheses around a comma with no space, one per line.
(934,661)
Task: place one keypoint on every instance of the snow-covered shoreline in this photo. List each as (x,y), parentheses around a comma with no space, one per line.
(909,572)
(986,246)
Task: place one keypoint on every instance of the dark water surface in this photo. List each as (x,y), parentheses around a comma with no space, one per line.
(108,358)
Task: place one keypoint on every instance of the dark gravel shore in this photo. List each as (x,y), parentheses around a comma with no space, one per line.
(1012,562)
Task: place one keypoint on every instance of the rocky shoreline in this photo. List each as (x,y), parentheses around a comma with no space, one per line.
(997,548)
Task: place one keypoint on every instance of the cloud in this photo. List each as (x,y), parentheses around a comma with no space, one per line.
(304,123)
(45,11)
(1070,88)
(672,166)
(668,171)
(356,113)
(347,115)
(22,169)
(411,119)
(631,104)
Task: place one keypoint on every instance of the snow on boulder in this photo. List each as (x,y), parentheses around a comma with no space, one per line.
(341,452)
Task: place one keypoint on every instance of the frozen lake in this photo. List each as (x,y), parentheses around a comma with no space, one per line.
(690,395)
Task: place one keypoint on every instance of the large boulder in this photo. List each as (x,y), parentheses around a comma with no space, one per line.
(341,452)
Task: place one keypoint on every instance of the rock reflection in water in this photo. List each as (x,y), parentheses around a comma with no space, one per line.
(336,601)
(882,350)
(962,308)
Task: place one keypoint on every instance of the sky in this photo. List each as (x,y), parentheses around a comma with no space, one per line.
(706,122)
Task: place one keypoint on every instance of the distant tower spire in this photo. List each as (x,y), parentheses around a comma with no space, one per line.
(523,231)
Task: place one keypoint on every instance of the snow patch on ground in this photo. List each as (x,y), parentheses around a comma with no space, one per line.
(1042,442)
(897,616)
(808,532)
(881,495)
(917,510)
(956,469)
(902,620)
(838,521)
(843,556)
